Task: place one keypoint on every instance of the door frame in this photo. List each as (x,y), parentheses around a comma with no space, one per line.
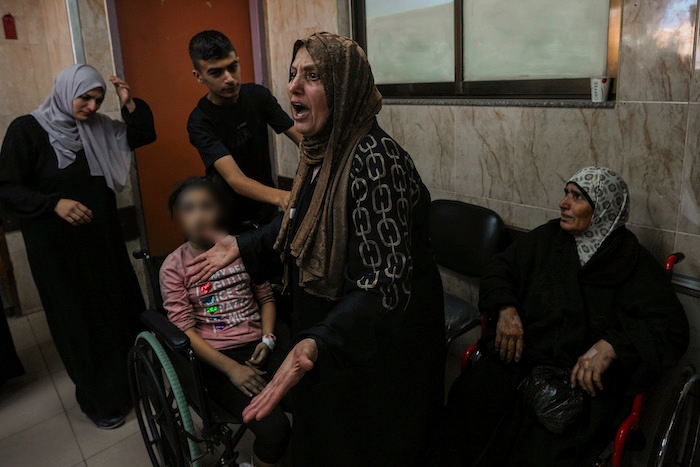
(257,30)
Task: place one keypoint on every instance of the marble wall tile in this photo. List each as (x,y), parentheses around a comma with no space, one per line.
(695,77)
(552,145)
(43,75)
(606,146)
(656,50)
(92,14)
(18,93)
(427,134)
(279,59)
(521,216)
(286,22)
(660,243)
(384,118)
(98,46)
(30,26)
(690,245)
(514,215)
(13,7)
(485,150)
(653,139)
(645,144)
(60,48)
(98,53)
(5,121)
(518,155)
(296,15)
(689,217)
(287,154)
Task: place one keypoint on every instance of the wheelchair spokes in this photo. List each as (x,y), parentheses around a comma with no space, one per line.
(678,443)
(157,416)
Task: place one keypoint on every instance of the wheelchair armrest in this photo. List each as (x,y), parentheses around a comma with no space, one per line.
(166,331)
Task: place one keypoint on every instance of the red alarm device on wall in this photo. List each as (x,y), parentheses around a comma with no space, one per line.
(8,23)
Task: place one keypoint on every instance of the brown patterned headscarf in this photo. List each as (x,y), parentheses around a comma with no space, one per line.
(320,244)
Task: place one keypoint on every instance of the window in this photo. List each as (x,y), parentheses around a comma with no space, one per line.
(489,48)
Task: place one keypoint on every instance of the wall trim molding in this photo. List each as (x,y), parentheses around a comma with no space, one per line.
(76,31)
(115,43)
(259,41)
(687,285)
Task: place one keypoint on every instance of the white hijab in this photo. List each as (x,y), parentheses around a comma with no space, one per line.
(103,139)
(608,194)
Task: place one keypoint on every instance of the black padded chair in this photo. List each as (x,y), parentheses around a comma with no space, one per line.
(463,237)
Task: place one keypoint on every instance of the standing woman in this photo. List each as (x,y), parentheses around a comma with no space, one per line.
(59,170)
(367,368)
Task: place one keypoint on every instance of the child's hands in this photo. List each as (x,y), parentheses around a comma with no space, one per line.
(247,379)
(262,351)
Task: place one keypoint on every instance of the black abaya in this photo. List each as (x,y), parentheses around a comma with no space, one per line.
(85,280)
(377,387)
(621,295)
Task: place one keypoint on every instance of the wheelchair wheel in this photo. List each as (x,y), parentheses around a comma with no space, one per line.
(161,408)
(677,443)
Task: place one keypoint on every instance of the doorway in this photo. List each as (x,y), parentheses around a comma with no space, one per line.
(154,36)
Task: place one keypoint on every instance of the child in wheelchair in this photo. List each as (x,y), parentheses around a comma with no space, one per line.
(228,319)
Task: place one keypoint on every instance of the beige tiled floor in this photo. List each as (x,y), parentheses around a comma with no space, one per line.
(41,423)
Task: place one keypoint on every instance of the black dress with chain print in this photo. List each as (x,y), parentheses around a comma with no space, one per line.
(377,387)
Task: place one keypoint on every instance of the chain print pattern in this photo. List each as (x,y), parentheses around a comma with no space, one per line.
(384,188)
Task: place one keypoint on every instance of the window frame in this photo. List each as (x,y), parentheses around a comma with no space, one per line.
(564,89)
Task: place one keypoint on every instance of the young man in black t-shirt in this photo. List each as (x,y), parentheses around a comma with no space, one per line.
(229,129)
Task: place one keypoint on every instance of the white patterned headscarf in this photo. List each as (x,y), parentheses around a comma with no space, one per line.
(607,193)
(103,139)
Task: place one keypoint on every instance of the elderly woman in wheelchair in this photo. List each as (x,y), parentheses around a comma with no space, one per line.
(580,318)
(228,319)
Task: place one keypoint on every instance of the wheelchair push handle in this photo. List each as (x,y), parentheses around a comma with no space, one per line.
(141,254)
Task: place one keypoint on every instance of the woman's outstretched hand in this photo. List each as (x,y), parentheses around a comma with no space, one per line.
(123,91)
(589,368)
(224,252)
(510,336)
(300,360)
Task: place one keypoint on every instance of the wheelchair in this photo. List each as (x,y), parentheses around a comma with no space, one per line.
(169,394)
(675,442)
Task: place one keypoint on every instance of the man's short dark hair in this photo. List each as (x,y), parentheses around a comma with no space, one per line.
(209,45)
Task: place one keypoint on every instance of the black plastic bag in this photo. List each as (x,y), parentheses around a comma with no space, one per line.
(549,396)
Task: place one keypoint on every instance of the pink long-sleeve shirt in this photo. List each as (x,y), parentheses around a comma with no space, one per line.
(224,310)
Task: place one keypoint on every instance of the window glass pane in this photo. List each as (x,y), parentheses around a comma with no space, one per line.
(535,39)
(410,41)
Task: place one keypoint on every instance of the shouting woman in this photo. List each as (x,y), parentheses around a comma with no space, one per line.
(367,368)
